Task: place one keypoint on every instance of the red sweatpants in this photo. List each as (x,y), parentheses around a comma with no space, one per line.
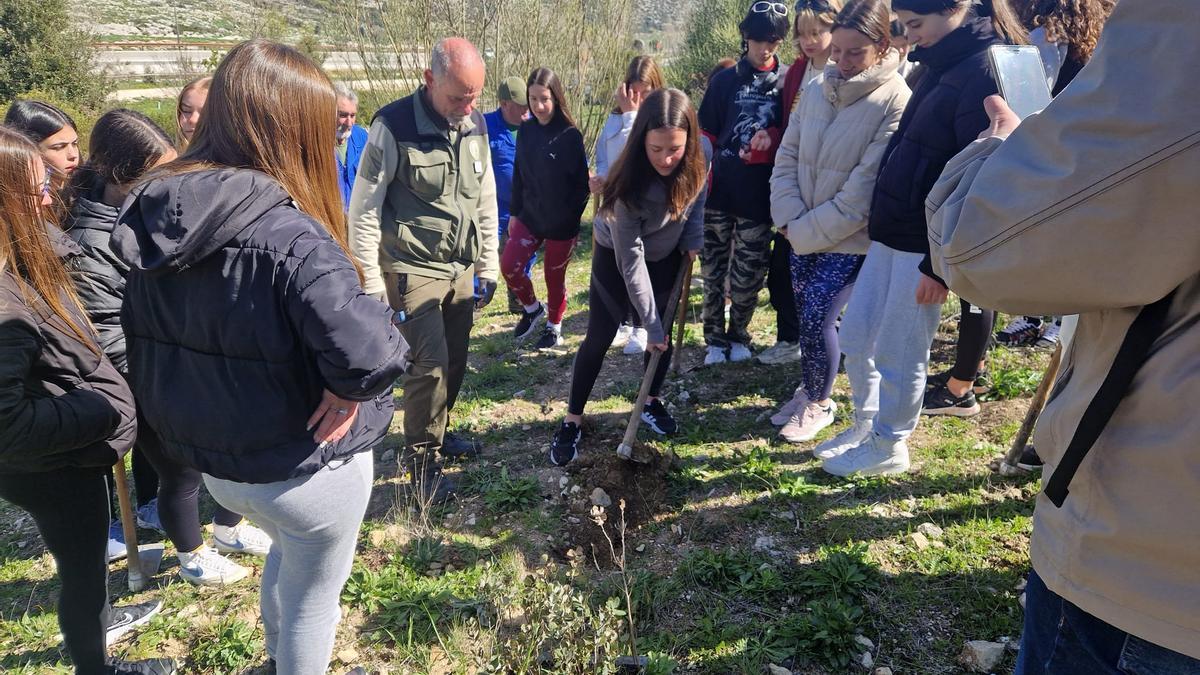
(521,246)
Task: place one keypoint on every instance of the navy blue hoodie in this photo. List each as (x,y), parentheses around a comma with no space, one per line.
(239,310)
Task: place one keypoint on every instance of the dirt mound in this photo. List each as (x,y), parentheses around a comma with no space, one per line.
(604,477)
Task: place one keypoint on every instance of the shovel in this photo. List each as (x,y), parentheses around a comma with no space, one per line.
(147,561)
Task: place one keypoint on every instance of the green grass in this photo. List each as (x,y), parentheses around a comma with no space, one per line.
(493,578)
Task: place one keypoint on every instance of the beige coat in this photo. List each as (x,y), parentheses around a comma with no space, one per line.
(1092,208)
(827,161)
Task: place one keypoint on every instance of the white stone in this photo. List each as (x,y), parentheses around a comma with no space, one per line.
(764,543)
(601,498)
(777,670)
(864,641)
(866,660)
(981,656)
(930,530)
(919,540)
(563,481)
(883,670)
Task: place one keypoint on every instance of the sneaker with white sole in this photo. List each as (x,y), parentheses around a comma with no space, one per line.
(941,401)
(241,538)
(658,418)
(116,541)
(807,422)
(848,438)
(785,412)
(1022,331)
(622,336)
(1049,337)
(529,322)
(143,667)
(550,338)
(739,352)
(715,355)
(872,457)
(780,352)
(147,516)
(206,567)
(121,620)
(636,343)
(564,448)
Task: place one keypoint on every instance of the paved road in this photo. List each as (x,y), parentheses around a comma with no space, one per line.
(177,61)
(122,95)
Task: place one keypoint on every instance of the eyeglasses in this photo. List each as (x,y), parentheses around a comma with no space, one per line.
(44,185)
(764,7)
(815,6)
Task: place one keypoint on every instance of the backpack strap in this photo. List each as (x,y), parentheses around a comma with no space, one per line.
(1134,351)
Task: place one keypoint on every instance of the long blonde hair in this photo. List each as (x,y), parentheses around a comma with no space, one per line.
(25,244)
(270,108)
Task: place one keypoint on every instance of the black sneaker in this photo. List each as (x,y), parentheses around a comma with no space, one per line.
(550,339)
(529,322)
(940,401)
(1022,331)
(981,385)
(457,446)
(565,446)
(659,418)
(1030,460)
(144,667)
(121,620)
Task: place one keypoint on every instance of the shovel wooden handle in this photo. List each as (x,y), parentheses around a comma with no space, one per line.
(1035,408)
(683,308)
(137,577)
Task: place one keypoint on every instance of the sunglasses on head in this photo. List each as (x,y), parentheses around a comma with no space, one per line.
(774,7)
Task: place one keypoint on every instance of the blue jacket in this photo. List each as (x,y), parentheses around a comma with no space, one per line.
(504,155)
(239,311)
(349,171)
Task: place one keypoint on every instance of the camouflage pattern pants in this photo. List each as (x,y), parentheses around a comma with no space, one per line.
(739,250)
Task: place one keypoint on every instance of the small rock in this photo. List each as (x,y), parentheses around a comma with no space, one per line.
(883,670)
(436,565)
(919,540)
(601,498)
(575,489)
(518,394)
(880,510)
(864,641)
(347,655)
(786,515)
(764,543)
(930,530)
(937,544)
(866,660)
(563,482)
(450,568)
(641,548)
(470,521)
(981,656)
(685,396)
(677,530)
(573,520)
(777,670)
(525,427)
(388,456)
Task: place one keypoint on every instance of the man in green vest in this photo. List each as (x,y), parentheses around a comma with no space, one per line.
(423,224)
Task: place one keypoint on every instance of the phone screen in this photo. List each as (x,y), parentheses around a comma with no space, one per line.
(1021,77)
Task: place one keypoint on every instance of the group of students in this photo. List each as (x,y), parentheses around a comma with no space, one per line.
(209,278)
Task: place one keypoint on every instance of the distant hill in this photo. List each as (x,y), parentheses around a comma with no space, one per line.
(211,19)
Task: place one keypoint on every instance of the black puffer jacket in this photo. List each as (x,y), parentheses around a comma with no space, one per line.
(98,274)
(61,403)
(943,116)
(550,179)
(239,311)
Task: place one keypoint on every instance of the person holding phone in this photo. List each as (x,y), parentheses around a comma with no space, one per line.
(739,102)
(893,315)
(652,212)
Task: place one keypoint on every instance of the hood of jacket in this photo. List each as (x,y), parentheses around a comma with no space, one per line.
(89,212)
(968,39)
(168,224)
(842,92)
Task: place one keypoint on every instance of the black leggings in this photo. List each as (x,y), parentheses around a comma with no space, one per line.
(70,508)
(974,337)
(608,302)
(179,494)
(779,288)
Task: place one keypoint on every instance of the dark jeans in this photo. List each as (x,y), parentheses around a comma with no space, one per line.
(608,302)
(178,494)
(70,508)
(974,336)
(779,288)
(1062,639)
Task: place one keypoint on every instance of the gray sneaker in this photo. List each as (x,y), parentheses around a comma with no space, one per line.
(848,438)
(872,457)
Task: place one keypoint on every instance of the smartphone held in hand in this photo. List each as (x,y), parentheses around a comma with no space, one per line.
(1021,77)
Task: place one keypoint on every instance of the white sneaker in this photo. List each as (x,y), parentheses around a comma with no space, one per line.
(116,541)
(637,341)
(739,352)
(785,412)
(206,567)
(780,352)
(872,457)
(848,438)
(622,336)
(807,422)
(1049,337)
(241,538)
(715,355)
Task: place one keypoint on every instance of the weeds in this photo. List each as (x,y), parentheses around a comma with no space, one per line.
(228,647)
(512,494)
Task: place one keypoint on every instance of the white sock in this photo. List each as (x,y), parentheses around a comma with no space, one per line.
(224,532)
(556,327)
(530,309)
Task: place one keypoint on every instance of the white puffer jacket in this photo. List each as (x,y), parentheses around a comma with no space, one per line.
(827,162)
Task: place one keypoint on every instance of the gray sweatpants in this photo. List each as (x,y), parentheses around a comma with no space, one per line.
(886,337)
(313,522)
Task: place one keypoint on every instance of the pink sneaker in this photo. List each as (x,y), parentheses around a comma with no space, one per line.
(805,424)
(798,401)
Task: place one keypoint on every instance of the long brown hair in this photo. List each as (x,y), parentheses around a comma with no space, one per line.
(871,18)
(1004,19)
(549,79)
(1075,23)
(24,242)
(643,69)
(271,109)
(198,84)
(632,172)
